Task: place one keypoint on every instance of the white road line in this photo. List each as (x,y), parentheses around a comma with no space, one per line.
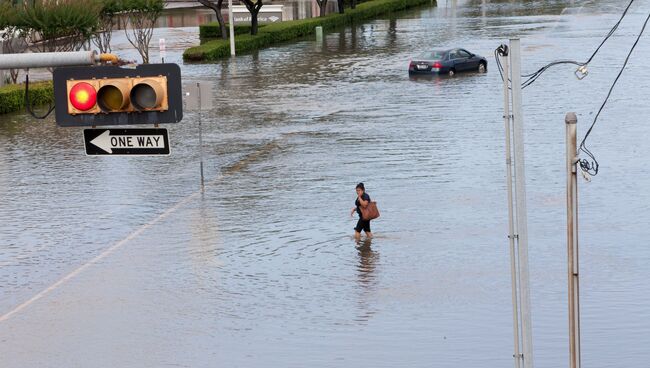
(102,255)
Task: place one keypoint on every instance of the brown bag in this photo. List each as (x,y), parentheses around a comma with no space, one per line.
(370,211)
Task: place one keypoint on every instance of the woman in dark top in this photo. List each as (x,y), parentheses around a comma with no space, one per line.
(362,200)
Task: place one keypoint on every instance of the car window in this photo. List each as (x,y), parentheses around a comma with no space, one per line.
(453,55)
(464,54)
(431,55)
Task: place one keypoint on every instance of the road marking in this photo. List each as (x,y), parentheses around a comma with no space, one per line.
(103,254)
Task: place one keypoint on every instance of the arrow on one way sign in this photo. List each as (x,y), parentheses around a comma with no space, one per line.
(126,141)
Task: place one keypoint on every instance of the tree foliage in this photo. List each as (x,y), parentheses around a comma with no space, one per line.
(63,25)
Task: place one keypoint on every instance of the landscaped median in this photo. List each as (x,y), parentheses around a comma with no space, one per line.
(284,31)
(12,97)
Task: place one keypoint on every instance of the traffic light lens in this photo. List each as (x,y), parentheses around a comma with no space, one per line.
(145,96)
(83,96)
(110,98)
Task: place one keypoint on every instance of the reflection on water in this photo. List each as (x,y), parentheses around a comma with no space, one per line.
(261,270)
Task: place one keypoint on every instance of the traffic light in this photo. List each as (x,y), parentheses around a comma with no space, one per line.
(110,95)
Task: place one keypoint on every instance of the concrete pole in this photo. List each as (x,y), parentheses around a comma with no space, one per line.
(511,215)
(319,34)
(522,214)
(231,24)
(572,239)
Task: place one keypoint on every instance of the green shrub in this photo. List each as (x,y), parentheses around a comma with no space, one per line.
(12,97)
(285,31)
(210,31)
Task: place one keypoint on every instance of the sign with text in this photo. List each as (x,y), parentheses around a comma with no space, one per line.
(268,14)
(126,141)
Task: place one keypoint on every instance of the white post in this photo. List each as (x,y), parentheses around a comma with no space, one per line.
(162,49)
(520,193)
(511,215)
(231,23)
(572,239)
(319,34)
(198,87)
(2,71)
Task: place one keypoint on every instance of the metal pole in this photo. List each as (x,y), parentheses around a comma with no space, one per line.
(47,59)
(572,239)
(198,86)
(511,215)
(231,23)
(520,193)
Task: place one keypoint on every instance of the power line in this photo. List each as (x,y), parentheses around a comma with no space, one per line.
(591,166)
(532,77)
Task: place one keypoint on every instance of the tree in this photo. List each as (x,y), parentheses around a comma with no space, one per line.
(142,15)
(63,25)
(321,6)
(102,38)
(217,9)
(11,39)
(341,6)
(254,8)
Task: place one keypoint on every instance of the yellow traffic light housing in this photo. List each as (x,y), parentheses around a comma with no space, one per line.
(111,95)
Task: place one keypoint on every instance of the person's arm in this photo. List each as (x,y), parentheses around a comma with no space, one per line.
(354,209)
(362,201)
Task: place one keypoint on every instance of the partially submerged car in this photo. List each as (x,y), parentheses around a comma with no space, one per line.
(447,62)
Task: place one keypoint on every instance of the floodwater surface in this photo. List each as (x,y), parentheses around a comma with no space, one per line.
(124,262)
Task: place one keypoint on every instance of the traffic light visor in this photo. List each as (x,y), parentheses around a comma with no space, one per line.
(83,96)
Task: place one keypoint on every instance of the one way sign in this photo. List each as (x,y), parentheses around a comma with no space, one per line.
(126,141)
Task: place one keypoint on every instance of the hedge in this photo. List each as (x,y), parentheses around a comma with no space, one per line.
(12,97)
(211,31)
(285,31)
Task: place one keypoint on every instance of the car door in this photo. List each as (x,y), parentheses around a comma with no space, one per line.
(455,61)
(466,61)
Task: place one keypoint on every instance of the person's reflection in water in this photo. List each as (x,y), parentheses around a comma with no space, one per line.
(366,278)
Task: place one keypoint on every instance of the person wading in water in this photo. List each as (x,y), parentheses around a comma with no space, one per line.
(362,200)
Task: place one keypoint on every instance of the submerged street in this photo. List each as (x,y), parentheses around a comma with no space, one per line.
(125,262)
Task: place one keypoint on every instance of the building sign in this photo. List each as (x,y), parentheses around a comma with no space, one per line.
(268,14)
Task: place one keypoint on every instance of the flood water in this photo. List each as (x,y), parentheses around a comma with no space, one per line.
(261,270)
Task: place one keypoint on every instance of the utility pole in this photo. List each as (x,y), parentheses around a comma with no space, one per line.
(572,239)
(518,221)
(503,55)
(522,215)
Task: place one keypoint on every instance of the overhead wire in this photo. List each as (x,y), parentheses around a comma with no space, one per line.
(590,166)
(28,103)
(532,77)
